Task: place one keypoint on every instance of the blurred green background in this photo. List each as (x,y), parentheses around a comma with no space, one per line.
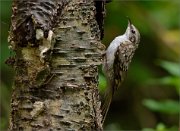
(149,97)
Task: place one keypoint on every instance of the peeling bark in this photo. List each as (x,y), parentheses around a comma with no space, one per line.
(58,91)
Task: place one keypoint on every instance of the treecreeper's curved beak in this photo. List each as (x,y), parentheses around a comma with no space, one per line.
(129,21)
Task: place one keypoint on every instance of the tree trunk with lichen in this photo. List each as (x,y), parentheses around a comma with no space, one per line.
(58,50)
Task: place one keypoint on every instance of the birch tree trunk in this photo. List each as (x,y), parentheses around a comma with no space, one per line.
(58,50)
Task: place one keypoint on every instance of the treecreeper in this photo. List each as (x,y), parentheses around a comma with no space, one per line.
(116,61)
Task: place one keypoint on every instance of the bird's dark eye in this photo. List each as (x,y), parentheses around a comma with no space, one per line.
(132,31)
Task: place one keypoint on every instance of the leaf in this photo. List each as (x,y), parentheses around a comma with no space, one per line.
(167,81)
(167,106)
(148,129)
(102,83)
(172,67)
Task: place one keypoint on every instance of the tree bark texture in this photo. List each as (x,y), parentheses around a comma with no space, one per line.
(56,80)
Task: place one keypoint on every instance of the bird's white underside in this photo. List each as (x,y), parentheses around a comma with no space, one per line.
(113,48)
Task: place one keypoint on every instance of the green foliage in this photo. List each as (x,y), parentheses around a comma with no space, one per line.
(161,127)
(173,79)
(5,103)
(6,72)
(102,83)
(170,107)
(171,67)
(166,106)
(174,71)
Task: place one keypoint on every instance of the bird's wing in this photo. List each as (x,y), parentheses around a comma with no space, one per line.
(121,62)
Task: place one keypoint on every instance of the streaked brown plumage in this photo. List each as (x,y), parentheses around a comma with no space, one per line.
(116,62)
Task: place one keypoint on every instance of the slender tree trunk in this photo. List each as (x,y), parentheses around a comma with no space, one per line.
(55,86)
